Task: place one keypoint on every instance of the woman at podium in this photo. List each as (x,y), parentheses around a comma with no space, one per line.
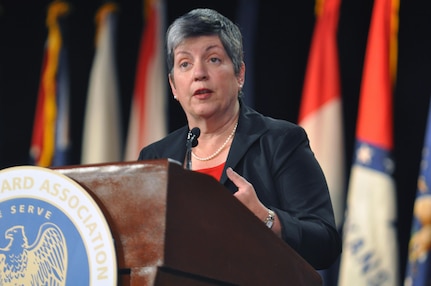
(266,163)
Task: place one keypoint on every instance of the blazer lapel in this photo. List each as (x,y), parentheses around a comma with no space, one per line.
(250,128)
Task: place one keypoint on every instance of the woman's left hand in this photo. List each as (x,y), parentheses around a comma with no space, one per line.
(246,194)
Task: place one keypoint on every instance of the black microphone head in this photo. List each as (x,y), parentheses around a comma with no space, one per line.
(193,136)
(196,131)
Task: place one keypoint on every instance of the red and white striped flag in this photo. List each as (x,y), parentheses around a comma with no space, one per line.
(148,115)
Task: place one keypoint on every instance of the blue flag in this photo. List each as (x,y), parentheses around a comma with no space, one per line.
(419,261)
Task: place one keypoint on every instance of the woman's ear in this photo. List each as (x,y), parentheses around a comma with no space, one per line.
(241,75)
(172,84)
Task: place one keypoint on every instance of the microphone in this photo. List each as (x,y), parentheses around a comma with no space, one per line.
(192,141)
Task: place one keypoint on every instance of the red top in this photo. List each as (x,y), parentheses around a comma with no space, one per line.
(215,172)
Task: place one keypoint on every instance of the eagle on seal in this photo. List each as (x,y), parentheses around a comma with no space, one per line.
(42,263)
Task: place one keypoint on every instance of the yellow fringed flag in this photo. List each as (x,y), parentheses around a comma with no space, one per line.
(50,138)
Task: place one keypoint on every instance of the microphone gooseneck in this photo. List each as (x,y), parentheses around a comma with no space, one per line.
(192,141)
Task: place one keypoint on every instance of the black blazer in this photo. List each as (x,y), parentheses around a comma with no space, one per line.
(275,157)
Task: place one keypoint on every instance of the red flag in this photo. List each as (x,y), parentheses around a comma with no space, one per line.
(370,244)
(147,121)
(321,107)
(378,76)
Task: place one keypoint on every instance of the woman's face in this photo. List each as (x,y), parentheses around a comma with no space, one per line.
(203,78)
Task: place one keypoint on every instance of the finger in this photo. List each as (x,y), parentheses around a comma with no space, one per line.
(236,178)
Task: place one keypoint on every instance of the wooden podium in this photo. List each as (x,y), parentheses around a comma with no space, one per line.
(177,227)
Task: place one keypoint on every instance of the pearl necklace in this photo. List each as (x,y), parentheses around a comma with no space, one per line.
(219,149)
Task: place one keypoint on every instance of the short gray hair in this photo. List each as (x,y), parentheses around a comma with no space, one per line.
(205,22)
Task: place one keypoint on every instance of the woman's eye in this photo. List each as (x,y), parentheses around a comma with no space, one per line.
(184,64)
(215,60)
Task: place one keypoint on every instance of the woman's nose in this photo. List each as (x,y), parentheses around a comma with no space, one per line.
(200,71)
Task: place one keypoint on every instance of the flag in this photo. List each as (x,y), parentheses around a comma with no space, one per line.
(102,125)
(370,251)
(148,114)
(320,113)
(247,21)
(418,271)
(50,141)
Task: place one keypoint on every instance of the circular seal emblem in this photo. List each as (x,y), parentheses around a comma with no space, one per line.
(52,232)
